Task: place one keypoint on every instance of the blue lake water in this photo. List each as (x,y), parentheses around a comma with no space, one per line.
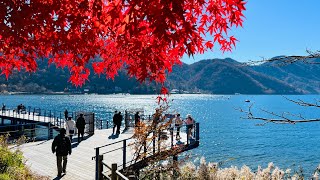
(225,136)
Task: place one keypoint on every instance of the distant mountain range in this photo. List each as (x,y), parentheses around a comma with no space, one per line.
(217,76)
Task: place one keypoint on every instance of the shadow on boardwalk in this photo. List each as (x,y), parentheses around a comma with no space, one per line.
(113,136)
(57,178)
(75,141)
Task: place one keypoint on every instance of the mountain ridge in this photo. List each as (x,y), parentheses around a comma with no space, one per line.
(217,76)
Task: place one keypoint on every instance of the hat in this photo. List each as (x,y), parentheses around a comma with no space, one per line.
(188,115)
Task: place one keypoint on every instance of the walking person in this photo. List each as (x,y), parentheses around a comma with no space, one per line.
(70,127)
(178,123)
(66,114)
(114,120)
(119,121)
(61,145)
(81,124)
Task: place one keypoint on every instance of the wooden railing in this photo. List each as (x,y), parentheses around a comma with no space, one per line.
(154,151)
(34,117)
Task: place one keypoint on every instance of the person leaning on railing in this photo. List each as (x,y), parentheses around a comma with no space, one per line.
(189,123)
(178,123)
(137,119)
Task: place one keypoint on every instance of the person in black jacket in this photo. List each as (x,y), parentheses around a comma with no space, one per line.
(66,114)
(114,120)
(61,145)
(81,124)
(136,119)
(119,118)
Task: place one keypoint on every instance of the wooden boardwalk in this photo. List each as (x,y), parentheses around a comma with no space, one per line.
(80,164)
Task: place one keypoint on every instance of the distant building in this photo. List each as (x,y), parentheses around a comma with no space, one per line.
(174,91)
(86,90)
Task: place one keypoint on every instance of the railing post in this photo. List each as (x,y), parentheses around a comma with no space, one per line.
(159,137)
(107,124)
(145,147)
(97,164)
(187,135)
(101,124)
(33,131)
(175,163)
(197,132)
(100,167)
(124,159)
(60,121)
(22,130)
(154,142)
(171,133)
(50,133)
(113,171)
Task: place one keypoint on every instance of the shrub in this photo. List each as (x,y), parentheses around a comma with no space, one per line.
(12,164)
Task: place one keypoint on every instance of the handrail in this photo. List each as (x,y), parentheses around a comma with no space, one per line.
(112,143)
(106,176)
(112,150)
(154,151)
(121,175)
(107,166)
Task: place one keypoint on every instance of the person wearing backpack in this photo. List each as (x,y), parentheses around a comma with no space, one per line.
(81,124)
(61,145)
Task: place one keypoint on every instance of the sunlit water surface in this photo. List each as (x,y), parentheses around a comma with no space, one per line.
(225,136)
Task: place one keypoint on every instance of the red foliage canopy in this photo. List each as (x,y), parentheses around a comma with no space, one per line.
(147,37)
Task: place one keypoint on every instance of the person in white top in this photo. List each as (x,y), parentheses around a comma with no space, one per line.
(70,127)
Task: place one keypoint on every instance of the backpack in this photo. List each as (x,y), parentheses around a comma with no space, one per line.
(62,148)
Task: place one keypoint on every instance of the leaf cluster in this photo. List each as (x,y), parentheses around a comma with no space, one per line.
(145,37)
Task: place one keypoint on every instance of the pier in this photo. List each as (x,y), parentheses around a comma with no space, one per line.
(101,155)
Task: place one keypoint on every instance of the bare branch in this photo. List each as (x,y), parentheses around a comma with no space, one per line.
(285,60)
(281,119)
(303,103)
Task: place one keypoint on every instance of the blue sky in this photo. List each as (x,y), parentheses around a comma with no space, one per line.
(272,28)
